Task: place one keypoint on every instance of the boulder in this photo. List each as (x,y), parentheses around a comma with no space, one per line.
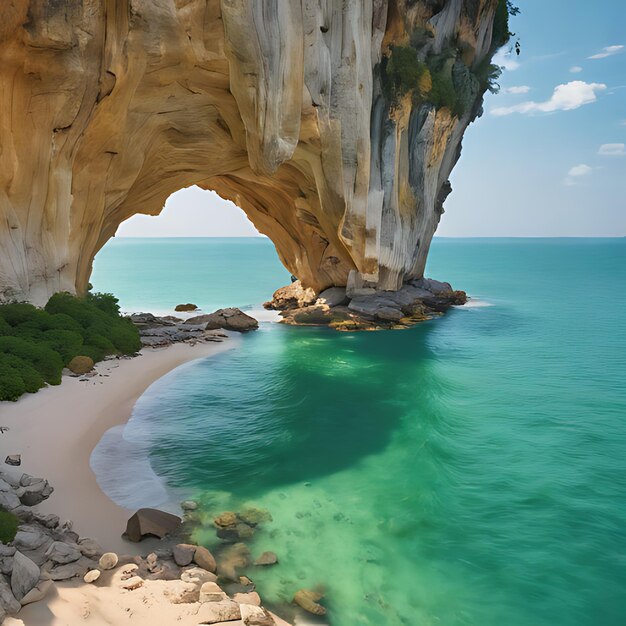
(8,602)
(30,538)
(205,559)
(252,615)
(69,570)
(309,601)
(251,597)
(183,554)
(13,459)
(267,558)
(186,307)
(25,575)
(34,490)
(198,576)
(151,522)
(216,612)
(189,505)
(108,560)
(334,296)
(228,319)
(90,548)
(211,592)
(80,365)
(293,296)
(8,500)
(38,593)
(180,592)
(62,553)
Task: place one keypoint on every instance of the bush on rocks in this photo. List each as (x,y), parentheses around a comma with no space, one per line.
(8,526)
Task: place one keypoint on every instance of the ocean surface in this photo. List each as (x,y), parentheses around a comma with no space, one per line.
(468,471)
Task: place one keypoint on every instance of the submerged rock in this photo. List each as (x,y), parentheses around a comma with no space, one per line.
(267,558)
(309,601)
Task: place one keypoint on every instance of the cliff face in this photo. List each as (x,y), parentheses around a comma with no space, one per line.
(334,124)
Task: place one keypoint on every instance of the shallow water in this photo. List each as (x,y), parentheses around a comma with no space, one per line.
(470,470)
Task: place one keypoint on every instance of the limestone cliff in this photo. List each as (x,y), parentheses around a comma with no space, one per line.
(334,124)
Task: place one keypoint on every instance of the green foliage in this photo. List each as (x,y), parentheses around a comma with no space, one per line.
(8,526)
(444,92)
(35,344)
(403,73)
(501,30)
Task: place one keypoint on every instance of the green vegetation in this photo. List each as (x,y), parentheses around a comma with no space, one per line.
(8,526)
(443,79)
(35,344)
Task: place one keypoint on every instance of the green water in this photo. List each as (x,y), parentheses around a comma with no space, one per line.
(470,470)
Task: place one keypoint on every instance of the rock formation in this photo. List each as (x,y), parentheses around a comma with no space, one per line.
(333,124)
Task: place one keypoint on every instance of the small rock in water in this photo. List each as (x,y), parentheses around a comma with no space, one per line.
(92,575)
(186,307)
(13,459)
(267,558)
(309,601)
(108,560)
(189,505)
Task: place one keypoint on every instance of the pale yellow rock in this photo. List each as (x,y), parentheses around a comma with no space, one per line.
(108,560)
(134,582)
(109,107)
(91,576)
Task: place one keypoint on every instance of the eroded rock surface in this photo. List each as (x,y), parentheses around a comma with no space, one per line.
(302,113)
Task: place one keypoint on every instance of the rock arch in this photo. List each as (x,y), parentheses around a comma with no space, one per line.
(109,106)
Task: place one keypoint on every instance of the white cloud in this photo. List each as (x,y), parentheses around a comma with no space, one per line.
(505,60)
(566,97)
(517,90)
(612,149)
(579,170)
(576,173)
(609,51)
(576,69)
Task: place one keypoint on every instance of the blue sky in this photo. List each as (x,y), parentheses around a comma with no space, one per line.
(548,157)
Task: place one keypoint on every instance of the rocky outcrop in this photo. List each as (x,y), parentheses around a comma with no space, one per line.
(367,308)
(333,125)
(158,332)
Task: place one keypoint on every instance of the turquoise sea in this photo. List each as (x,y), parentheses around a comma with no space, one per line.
(468,471)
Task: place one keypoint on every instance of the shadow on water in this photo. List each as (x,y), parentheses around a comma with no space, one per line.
(293,404)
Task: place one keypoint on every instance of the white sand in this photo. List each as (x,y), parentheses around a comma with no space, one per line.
(56,429)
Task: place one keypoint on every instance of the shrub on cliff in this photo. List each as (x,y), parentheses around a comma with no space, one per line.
(8,526)
(35,344)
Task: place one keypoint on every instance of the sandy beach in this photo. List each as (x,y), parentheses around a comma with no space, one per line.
(56,430)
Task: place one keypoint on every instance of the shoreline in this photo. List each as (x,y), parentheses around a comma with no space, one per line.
(57,429)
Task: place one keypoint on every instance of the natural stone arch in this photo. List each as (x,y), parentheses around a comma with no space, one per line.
(109,106)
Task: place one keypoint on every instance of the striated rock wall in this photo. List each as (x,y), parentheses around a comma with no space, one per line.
(282,106)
